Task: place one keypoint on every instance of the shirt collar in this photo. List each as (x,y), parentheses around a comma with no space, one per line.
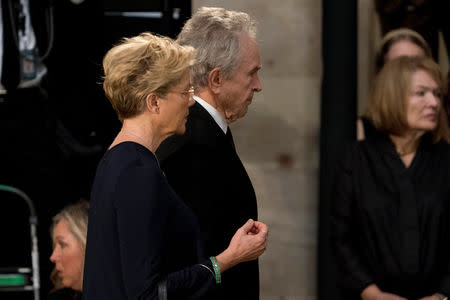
(215,114)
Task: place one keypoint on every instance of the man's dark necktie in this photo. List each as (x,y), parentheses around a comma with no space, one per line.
(230,137)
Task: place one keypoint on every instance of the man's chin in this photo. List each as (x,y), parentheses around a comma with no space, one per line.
(243,113)
(181,130)
(237,116)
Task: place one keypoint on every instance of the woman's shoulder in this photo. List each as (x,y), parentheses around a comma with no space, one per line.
(128,154)
(365,128)
(350,152)
(125,162)
(129,148)
(442,147)
(363,152)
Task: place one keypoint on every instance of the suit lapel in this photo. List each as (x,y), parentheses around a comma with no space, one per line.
(207,127)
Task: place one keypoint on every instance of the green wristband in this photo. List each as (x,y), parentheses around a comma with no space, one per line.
(216,269)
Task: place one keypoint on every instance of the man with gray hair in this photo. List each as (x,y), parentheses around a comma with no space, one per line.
(202,165)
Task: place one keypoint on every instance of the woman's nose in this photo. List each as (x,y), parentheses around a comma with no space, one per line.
(53,256)
(433,100)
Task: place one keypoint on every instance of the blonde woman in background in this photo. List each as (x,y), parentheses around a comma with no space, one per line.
(395,43)
(68,233)
(391,208)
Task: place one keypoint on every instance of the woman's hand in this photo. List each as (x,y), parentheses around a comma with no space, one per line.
(248,243)
(372,292)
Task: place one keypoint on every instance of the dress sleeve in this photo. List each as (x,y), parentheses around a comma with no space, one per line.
(142,212)
(355,276)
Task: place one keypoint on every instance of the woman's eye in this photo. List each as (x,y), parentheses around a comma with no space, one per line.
(437,94)
(420,93)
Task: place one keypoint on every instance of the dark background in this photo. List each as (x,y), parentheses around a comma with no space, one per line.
(52,137)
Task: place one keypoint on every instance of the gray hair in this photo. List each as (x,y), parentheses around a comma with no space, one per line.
(215,33)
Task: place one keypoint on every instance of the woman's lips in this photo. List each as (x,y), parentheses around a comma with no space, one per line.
(431,116)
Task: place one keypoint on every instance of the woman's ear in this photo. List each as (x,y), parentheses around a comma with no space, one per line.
(215,79)
(153,103)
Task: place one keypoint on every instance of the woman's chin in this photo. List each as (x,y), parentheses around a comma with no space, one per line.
(66,283)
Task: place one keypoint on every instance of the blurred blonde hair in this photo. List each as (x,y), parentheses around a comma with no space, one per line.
(397,35)
(141,65)
(389,98)
(76,216)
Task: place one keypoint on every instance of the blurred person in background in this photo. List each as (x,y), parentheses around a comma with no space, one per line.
(391,208)
(68,233)
(398,42)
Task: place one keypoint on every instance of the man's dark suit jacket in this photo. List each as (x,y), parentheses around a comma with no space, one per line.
(204,169)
